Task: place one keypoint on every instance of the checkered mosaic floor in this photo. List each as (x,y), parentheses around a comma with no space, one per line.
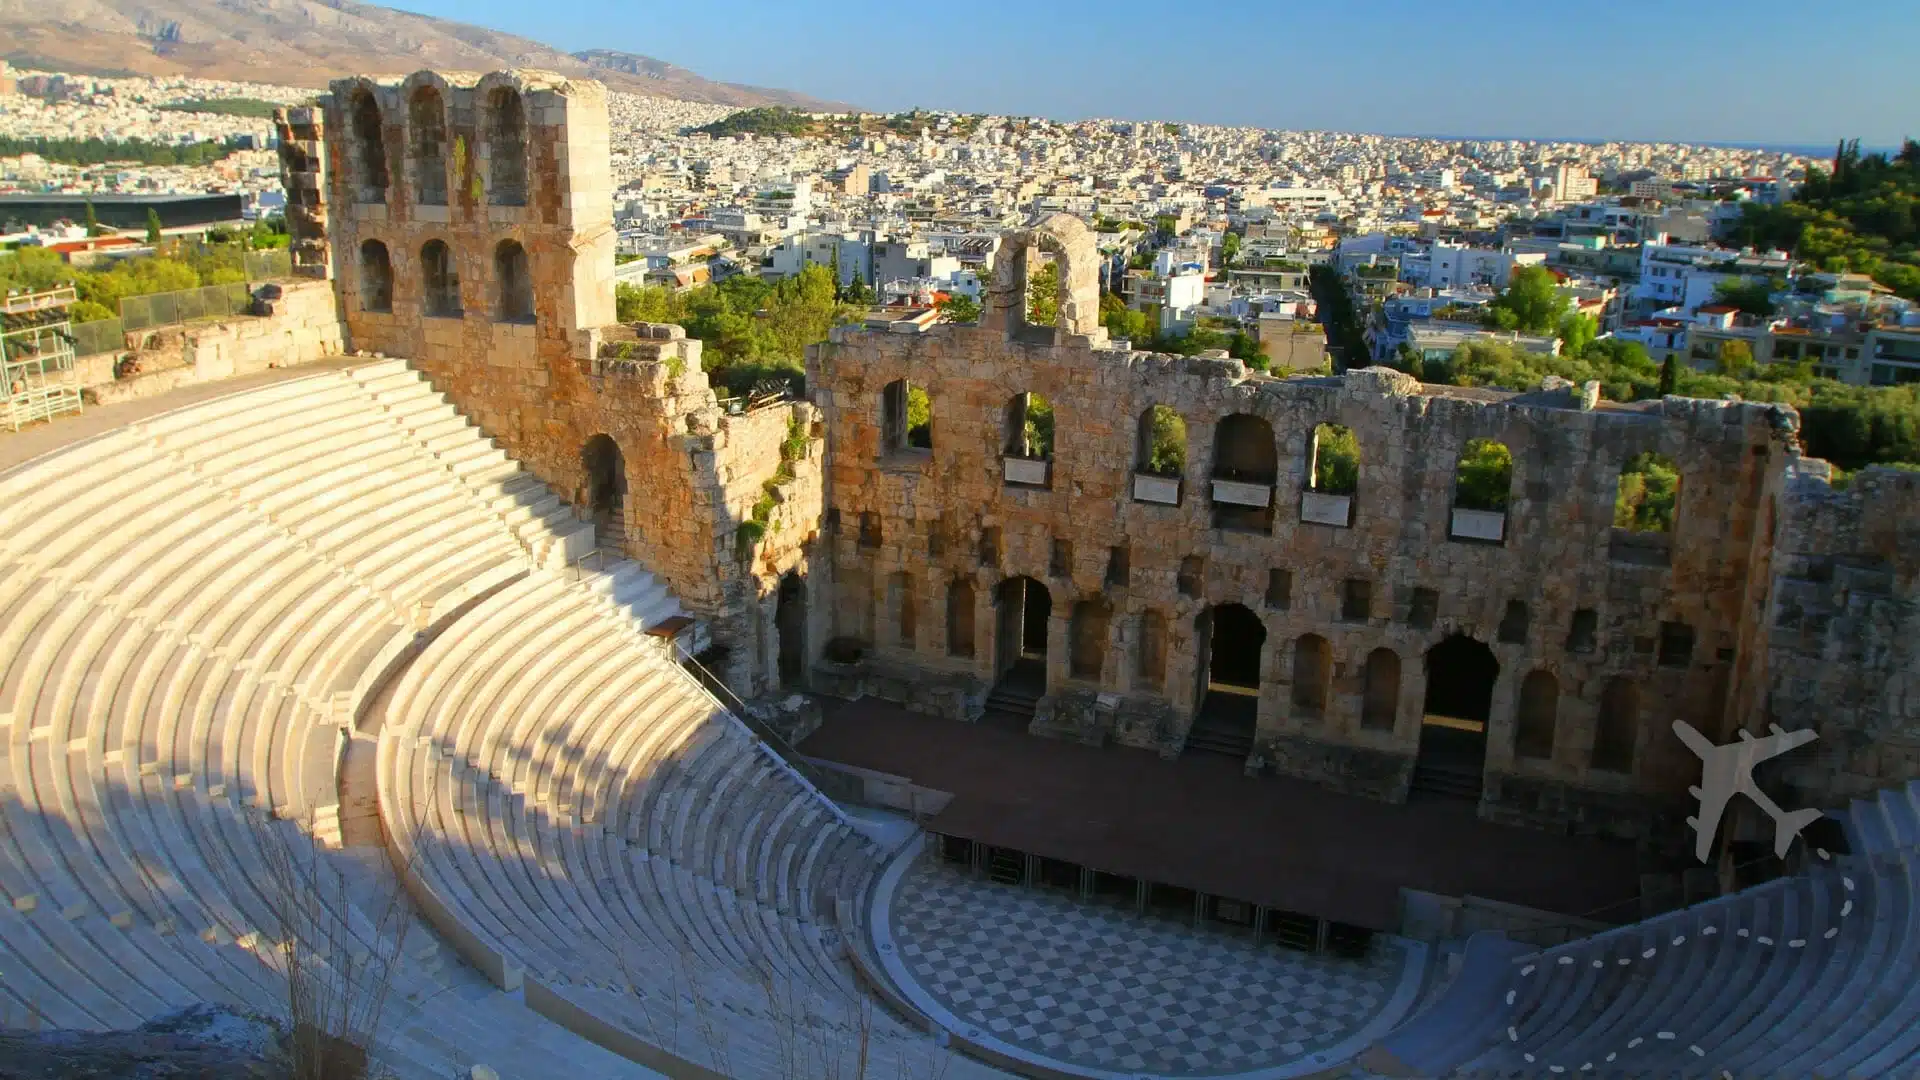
(1111,990)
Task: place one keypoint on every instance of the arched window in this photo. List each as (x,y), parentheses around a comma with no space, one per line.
(1029,441)
(427,124)
(1482,483)
(1648,494)
(1246,464)
(1539,704)
(906,420)
(376,277)
(370,149)
(439,280)
(1087,639)
(960,617)
(512,283)
(1162,443)
(1615,728)
(1336,460)
(1312,674)
(1380,704)
(506,148)
(1151,670)
(1030,427)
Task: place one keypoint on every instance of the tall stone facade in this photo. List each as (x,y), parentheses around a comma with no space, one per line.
(1664,625)
(466,224)
(470,224)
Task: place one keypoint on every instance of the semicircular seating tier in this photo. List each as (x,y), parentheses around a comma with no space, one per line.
(591,826)
(1812,975)
(192,610)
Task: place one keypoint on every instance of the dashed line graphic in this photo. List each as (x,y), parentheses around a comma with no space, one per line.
(1634,1043)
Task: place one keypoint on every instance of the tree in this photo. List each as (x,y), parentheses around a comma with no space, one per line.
(1531,304)
(959,308)
(1336,460)
(1043,295)
(1577,332)
(1229,248)
(919,418)
(1736,358)
(1751,295)
(1484,477)
(1649,487)
(1669,375)
(1166,442)
(857,293)
(93,220)
(153,225)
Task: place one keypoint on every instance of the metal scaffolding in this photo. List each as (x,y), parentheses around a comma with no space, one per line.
(36,342)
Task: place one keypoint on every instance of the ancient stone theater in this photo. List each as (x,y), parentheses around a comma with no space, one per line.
(492,697)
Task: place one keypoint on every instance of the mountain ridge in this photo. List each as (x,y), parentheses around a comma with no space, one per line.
(308,42)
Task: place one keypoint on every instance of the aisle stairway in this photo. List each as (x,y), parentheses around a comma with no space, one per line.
(191,610)
(1813,975)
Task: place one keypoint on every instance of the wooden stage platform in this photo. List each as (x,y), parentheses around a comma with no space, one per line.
(1199,823)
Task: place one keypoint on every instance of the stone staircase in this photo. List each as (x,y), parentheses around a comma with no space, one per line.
(1013,700)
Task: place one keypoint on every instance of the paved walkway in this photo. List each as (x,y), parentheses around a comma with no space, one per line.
(29,443)
(1111,990)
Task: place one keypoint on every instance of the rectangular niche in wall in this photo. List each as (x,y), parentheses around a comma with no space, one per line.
(1279,589)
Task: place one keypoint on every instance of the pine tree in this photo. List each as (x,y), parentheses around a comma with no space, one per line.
(93,221)
(153,226)
(1669,375)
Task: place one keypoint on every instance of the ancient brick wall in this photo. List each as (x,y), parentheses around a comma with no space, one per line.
(1843,632)
(912,523)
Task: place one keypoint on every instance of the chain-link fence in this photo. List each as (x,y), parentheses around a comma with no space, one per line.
(186,305)
(105,335)
(268,264)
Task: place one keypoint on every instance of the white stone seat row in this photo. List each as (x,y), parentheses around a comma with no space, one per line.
(586,821)
(1811,975)
(190,608)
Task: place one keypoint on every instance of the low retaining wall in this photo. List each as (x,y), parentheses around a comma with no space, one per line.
(304,327)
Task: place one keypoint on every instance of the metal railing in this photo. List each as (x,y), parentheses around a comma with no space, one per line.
(184,305)
(776,743)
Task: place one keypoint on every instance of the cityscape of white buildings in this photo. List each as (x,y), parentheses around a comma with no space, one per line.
(1199,222)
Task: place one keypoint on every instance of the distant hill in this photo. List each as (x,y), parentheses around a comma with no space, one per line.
(308,42)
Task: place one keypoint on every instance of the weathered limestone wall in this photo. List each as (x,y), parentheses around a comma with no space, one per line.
(483,163)
(303,328)
(1843,633)
(925,514)
(563,219)
(303,163)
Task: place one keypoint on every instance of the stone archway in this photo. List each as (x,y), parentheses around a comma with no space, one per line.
(1075,250)
(1232,643)
(1461,673)
(790,628)
(1022,610)
(605,495)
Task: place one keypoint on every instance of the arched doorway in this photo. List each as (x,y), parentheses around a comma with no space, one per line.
(1453,727)
(1022,609)
(1227,707)
(790,626)
(606,493)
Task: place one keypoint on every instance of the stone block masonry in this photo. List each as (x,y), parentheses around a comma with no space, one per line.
(466,224)
(469,221)
(1563,600)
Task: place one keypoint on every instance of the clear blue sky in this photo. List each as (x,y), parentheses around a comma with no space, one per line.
(1758,71)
